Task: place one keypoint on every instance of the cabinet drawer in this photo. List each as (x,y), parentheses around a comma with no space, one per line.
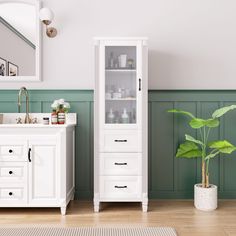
(12,195)
(13,151)
(120,164)
(121,141)
(120,188)
(13,172)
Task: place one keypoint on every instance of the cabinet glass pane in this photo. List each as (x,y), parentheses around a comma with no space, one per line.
(120,85)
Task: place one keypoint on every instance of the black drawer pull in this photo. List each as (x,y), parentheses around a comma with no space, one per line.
(10,172)
(139,84)
(121,140)
(120,186)
(29,158)
(10,193)
(121,164)
(10,151)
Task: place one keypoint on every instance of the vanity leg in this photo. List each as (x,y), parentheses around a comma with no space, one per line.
(72,197)
(63,210)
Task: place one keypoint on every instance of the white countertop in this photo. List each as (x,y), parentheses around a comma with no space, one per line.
(35,126)
(9,120)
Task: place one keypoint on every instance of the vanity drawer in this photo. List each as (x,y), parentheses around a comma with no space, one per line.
(121,141)
(120,188)
(12,195)
(120,164)
(12,150)
(13,172)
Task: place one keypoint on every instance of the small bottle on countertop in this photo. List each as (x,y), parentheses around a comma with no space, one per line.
(61,116)
(54,120)
(46,120)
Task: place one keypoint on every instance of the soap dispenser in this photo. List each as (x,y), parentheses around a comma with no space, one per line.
(125,117)
(110,117)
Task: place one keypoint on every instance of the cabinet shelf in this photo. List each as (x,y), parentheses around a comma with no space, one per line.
(121,99)
(121,70)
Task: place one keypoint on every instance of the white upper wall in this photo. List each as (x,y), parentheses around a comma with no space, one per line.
(192,43)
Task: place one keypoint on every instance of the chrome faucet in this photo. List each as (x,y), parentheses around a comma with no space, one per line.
(24,91)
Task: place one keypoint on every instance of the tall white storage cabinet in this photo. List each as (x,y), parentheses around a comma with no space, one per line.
(120,139)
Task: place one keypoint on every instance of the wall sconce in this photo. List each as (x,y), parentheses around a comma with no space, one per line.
(46,16)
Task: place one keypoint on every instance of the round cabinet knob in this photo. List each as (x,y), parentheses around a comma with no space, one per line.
(10,172)
(10,193)
(10,151)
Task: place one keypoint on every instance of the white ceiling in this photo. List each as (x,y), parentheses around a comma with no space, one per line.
(22,17)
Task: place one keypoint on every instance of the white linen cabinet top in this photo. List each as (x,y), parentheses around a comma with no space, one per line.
(120,121)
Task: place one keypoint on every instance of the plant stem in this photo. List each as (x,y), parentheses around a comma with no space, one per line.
(207,181)
(203,158)
(200,130)
(208,132)
(203,174)
(207,173)
(208,161)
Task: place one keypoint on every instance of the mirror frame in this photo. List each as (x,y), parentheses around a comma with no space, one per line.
(38,44)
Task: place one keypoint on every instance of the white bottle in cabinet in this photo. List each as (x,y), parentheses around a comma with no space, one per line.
(120,147)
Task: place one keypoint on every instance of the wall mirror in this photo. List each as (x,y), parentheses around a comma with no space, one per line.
(20,38)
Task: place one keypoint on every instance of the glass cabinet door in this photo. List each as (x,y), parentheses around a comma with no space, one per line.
(120,85)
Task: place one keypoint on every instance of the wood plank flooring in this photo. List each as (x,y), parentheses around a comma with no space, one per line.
(178,214)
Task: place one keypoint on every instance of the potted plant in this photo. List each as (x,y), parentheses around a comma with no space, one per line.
(205,194)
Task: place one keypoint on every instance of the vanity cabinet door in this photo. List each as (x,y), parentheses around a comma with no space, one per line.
(43,170)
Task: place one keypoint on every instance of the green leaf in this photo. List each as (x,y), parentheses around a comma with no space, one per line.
(223,146)
(198,123)
(188,150)
(220,112)
(212,123)
(192,139)
(181,112)
(212,155)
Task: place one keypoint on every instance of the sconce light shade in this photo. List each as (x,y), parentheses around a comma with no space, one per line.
(46,15)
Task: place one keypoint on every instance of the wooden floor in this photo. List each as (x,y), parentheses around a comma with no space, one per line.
(178,214)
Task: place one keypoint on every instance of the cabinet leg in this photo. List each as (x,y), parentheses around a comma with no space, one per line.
(145,207)
(96,202)
(145,202)
(63,211)
(96,205)
(72,197)
(96,208)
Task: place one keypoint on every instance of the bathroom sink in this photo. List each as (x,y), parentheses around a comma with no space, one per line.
(17,120)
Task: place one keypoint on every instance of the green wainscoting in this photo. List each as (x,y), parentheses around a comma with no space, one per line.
(168,177)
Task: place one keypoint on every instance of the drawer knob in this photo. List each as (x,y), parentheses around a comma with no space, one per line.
(120,186)
(10,151)
(10,172)
(120,140)
(120,164)
(10,193)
